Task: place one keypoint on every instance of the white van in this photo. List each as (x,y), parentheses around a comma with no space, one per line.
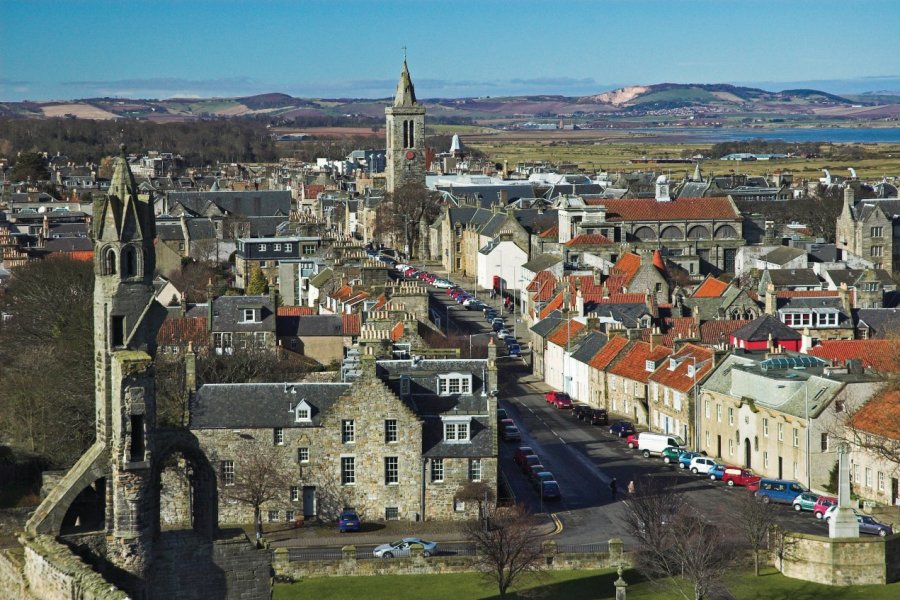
(652,444)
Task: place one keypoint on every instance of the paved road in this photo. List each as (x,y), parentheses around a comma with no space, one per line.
(365,551)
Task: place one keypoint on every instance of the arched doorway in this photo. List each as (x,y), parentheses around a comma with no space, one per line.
(184,482)
(87,511)
(747,453)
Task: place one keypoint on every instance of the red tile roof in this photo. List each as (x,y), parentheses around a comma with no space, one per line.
(380,302)
(295,311)
(178,331)
(672,329)
(633,364)
(564,332)
(710,288)
(552,231)
(678,378)
(880,415)
(79,255)
(554,304)
(648,209)
(877,354)
(397,331)
(717,332)
(351,324)
(608,352)
(623,272)
(542,285)
(589,239)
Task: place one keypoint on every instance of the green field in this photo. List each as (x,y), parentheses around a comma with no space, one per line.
(571,585)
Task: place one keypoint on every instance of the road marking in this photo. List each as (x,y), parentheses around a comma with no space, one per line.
(559,525)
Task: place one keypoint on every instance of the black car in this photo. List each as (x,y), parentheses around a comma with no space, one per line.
(581,411)
(501,414)
(597,416)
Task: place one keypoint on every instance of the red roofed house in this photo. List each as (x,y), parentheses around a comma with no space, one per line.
(766,332)
(673,389)
(597,366)
(635,274)
(874,435)
(628,378)
(881,355)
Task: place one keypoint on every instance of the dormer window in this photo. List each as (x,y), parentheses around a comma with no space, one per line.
(251,315)
(456,430)
(303,413)
(262,247)
(454,384)
(650,365)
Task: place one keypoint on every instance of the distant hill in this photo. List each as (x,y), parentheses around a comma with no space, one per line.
(664,98)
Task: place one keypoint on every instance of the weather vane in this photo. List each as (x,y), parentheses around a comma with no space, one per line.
(404,53)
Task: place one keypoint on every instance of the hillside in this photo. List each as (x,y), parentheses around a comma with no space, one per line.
(660,99)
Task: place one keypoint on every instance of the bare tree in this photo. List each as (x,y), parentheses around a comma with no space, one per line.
(675,544)
(478,492)
(259,477)
(509,548)
(398,216)
(755,519)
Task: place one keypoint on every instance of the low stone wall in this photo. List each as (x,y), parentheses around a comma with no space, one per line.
(841,561)
(12,580)
(349,566)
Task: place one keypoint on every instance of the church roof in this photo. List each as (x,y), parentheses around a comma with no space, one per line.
(406,93)
(761,328)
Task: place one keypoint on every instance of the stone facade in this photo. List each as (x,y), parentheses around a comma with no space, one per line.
(865,229)
(405,126)
(842,561)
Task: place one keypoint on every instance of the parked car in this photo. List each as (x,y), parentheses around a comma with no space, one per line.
(550,490)
(502,414)
(511,433)
(653,444)
(779,490)
(514,350)
(507,422)
(580,410)
(718,471)
(621,428)
(633,441)
(348,521)
(702,464)
(598,416)
(562,401)
(805,501)
(823,503)
(551,397)
(738,476)
(684,459)
(866,523)
(529,461)
(401,548)
(521,453)
(670,455)
(541,477)
(503,334)
(533,471)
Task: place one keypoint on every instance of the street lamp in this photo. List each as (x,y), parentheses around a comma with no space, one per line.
(806,411)
(471,335)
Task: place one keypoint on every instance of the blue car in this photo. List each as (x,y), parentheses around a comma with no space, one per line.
(684,459)
(717,472)
(779,490)
(622,428)
(348,521)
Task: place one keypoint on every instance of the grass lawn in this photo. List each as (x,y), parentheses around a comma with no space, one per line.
(571,585)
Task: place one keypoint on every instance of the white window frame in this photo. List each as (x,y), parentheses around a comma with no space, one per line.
(780,432)
(881,481)
(273,516)
(303,412)
(765,427)
(303,455)
(437,470)
(295,493)
(452,384)
(731,415)
(391,431)
(278,436)
(227,472)
(718,413)
(276,247)
(868,473)
(796,438)
(348,470)
(288,247)
(348,431)
(249,315)
(391,470)
(457,430)
(475,469)
(261,247)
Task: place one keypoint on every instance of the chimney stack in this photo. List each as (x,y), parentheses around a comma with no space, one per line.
(844,295)
(771,300)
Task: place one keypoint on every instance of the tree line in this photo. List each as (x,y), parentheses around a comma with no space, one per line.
(200,143)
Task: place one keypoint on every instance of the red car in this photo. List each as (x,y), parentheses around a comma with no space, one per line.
(521,453)
(737,476)
(822,504)
(554,398)
(632,441)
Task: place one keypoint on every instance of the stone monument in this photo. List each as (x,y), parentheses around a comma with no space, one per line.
(843,521)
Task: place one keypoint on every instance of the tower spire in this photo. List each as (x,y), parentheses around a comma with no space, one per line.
(406,93)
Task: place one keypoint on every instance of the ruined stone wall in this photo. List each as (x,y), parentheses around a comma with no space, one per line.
(174,498)
(839,562)
(440,502)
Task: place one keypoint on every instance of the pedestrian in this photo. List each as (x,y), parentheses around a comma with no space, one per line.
(612,488)
(631,488)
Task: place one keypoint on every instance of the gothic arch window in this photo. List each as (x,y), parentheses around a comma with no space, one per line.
(698,232)
(671,233)
(726,232)
(129,262)
(644,234)
(108,267)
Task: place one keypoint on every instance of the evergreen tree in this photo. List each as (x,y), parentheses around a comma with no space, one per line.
(257,285)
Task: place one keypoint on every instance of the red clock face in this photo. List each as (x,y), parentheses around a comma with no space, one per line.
(410,155)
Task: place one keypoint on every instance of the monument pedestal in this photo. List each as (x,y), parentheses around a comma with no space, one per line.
(843,524)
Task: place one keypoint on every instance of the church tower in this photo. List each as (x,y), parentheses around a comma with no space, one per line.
(124,344)
(405,136)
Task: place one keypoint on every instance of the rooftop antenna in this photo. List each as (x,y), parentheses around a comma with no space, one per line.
(404,53)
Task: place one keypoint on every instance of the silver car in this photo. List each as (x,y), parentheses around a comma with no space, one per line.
(401,548)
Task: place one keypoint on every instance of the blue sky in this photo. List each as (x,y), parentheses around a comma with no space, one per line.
(66,49)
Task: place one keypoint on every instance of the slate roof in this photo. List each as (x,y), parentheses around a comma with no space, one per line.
(883,322)
(169,231)
(542,262)
(589,346)
(479,445)
(423,374)
(793,277)
(626,314)
(228,315)
(260,405)
(264,226)
(68,244)
(759,329)
(851,276)
(258,203)
(545,326)
(311,326)
(783,255)
(718,331)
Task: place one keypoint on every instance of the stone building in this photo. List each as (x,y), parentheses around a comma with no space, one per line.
(112,496)
(673,389)
(874,435)
(866,229)
(405,126)
(777,414)
(627,380)
(398,443)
